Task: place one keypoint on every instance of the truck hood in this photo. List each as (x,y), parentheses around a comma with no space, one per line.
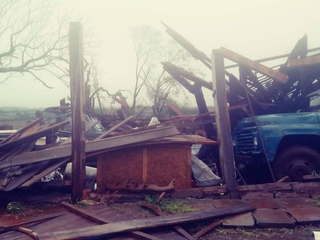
(287,118)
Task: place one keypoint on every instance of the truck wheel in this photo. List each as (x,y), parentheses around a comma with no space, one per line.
(296,162)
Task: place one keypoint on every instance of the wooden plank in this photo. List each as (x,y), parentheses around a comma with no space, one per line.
(94,218)
(206,229)
(39,134)
(23,174)
(176,227)
(35,220)
(91,146)
(282,78)
(173,107)
(45,172)
(312,60)
(188,75)
(78,156)
(20,131)
(226,155)
(89,125)
(311,177)
(146,223)
(115,127)
(273,57)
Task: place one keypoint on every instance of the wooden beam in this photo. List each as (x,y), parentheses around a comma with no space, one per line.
(13,143)
(188,75)
(91,146)
(206,229)
(272,58)
(145,223)
(227,161)
(45,172)
(173,107)
(176,227)
(115,127)
(94,218)
(20,131)
(312,60)
(282,78)
(77,108)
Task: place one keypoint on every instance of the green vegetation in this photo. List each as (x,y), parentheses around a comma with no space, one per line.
(169,205)
(16,208)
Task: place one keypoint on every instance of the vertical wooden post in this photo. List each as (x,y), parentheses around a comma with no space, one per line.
(227,162)
(77,107)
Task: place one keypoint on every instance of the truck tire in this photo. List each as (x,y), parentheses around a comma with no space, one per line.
(295,162)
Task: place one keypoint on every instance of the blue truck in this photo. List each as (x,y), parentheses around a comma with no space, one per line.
(291,142)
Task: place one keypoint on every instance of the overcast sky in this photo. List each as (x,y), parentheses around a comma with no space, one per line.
(255,29)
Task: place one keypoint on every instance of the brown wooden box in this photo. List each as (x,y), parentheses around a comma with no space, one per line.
(151,164)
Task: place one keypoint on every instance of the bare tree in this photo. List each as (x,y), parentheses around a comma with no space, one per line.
(146,42)
(160,85)
(150,50)
(30,42)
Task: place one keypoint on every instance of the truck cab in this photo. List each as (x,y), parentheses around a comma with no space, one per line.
(291,143)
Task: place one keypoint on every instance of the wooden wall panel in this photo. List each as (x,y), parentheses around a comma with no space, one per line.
(146,164)
(167,163)
(116,167)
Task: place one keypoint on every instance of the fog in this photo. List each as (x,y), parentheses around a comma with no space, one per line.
(255,29)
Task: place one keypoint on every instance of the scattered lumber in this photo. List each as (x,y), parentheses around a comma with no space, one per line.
(308,178)
(94,218)
(38,133)
(312,60)
(115,127)
(206,229)
(139,224)
(20,131)
(160,213)
(282,78)
(5,228)
(91,146)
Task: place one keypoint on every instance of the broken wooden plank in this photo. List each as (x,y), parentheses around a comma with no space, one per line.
(20,131)
(282,78)
(173,107)
(94,218)
(115,127)
(28,232)
(160,213)
(206,229)
(311,178)
(45,172)
(39,134)
(89,125)
(315,59)
(138,224)
(188,75)
(35,220)
(226,155)
(91,146)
